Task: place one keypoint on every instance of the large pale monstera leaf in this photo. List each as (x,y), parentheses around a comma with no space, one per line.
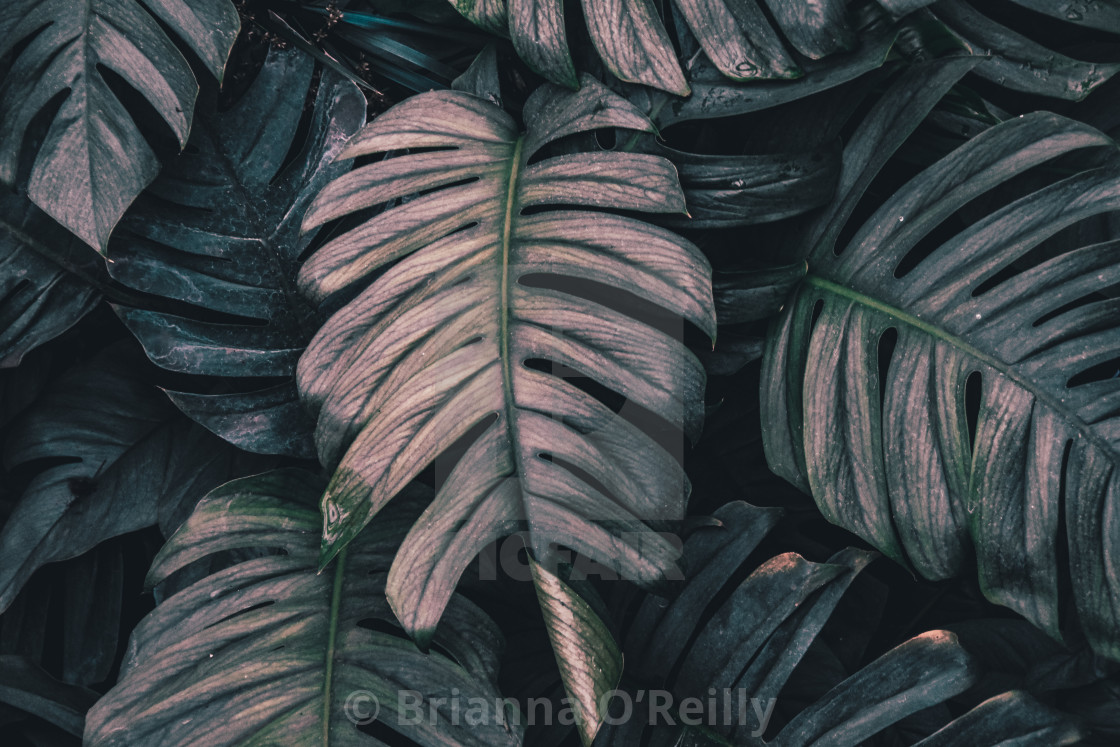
(442,344)
(738,36)
(870,367)
(94,160)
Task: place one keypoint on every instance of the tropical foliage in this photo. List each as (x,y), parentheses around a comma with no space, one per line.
(705,372)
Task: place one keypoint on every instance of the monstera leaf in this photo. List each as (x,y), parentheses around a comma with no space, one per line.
(25,686)
(106,454)
(45,279)
(87,593)
(870,369)
(445,344)
(269,651)
(220,229)
(1018,62)
(94,159)
(731,644)
(737,36)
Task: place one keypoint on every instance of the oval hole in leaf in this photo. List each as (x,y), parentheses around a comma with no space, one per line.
(973,389)
(887,340)
(1109,369)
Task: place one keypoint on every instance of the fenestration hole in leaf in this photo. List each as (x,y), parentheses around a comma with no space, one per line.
(19,47)
(582,475)
(440,469)
(1109,369)
(1075,304)
(607,396)
(973,389)
(617,299)
(667,435)
(1065,608)
(380,625)
(887,341)
(449,185)
(152,126)
(298,143)
(606,138)
(818,307)
(384,733)
(239,613)
(995,279)
(929,243)
(33,138)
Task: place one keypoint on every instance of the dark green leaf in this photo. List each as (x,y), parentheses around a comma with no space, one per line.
(893,459)
(43,286)
(738,37)
(538,34)
(713,97)
(816,29)
(1020,63)
(900,8)
(1011,718)
(744,638)
(922,672)
(1095,14)
(122,461)
(752,295)
(220,229)
(94,160)
(481,78)
(723,191)
(29,688)
(891,120)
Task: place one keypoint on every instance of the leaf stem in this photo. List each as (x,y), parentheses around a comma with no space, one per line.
(332,635)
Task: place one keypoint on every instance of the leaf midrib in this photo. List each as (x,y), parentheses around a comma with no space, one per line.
(940,334)
(511,208)
(304,314)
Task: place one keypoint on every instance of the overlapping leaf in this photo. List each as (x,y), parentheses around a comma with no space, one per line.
(1020,63)
(268,651)
(44,279)
(220,229)
(109,456)
(85,594)
(724,191)
(25,686)
(714,96)
(440,345)
(887,448)
(737,36)
(731,645)
(94,161)
(587,655)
